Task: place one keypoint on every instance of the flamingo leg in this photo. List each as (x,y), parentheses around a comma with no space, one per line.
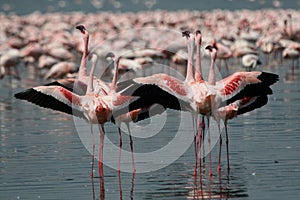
(120,150)
(209,147)
(199,138)
(100,162)
(220,149)
(93,152)
(93,189)
(101,144)
(227,147)
(202,138)
(120,185)
(131,149)
(195,143)
(132,185)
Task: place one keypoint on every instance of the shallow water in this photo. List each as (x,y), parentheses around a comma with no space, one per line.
(43,157)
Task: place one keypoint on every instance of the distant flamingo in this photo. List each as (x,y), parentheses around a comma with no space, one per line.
(250,61)
(9,62)
(292,52)
(60,69)
(224,53)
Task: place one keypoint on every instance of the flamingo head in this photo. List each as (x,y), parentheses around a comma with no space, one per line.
(110,55)
(81,28)
(212,50)
(198,37)
(186,34)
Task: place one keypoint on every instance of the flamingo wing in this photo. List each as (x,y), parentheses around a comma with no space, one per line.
(53,97)
(252,103)
(152,93)
(246,84)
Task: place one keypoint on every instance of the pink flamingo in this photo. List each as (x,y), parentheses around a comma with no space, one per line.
(238,107)
(195,97)
(9,62)
(79,85)
(92,107)
(224,53)
(245,100)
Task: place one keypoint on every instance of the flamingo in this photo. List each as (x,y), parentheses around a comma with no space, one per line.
(250,61)
(293,52)
(224,53)
(196,97)
(199,79)
(92,107)
(246,99)
(9,62)
(61,69)
(79,85)
(238,107)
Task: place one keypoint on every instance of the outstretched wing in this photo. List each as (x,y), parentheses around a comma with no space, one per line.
(157,89)
(53,97)
(246,84)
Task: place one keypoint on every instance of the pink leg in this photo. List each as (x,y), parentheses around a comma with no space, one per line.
(101,144)
(195,144)
(120,150)
(227,148)
(119,173)
(200,130)
(132,185)
(93,152)
(100,162)
(220,150)
(209,147)
(131,148)
(93,189)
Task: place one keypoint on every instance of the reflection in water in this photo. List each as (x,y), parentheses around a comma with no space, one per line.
(102,187)
(218,186)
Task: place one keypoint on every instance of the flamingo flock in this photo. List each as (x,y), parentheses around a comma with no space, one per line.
(130,101)
(49,43)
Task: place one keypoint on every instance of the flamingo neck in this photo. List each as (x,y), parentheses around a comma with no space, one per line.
(116,68)
(190,64)
(290,27)
(83,69)
(198,71)
(90,86)
(211,75)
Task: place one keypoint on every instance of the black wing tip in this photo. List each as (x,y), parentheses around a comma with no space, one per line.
(46,101)
(258,103)
(24,94)
(268,78)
